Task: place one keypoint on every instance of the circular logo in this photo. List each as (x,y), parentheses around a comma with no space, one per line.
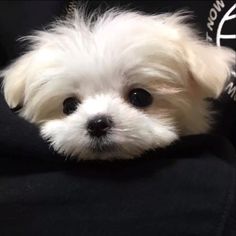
(229,16)
(221,24)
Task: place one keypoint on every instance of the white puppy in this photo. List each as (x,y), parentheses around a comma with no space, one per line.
(118,85)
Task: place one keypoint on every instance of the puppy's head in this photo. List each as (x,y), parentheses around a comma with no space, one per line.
(117,86)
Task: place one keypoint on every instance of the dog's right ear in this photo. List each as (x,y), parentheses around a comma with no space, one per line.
(14,80)
(210,67)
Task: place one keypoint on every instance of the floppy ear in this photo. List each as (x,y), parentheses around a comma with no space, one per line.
(210,67)
(14,80)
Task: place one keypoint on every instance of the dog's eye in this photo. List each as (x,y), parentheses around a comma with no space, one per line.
(69,105)
(140,97)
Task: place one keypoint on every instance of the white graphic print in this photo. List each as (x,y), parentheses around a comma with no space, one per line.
(229,15)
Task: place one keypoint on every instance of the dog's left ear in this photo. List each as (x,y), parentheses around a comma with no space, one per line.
(209,66)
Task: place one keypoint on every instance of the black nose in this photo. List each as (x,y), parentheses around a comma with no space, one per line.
(99,126)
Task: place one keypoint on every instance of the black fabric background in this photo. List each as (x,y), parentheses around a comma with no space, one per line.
(186,189)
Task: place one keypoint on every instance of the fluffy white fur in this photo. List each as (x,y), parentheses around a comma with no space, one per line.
(99,61)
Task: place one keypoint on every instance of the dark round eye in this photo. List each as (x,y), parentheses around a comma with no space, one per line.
(140,97)
(70,105)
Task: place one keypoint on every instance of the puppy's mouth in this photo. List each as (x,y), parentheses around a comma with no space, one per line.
(102,145)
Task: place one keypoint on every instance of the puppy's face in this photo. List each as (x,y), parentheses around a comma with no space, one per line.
(118,86)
